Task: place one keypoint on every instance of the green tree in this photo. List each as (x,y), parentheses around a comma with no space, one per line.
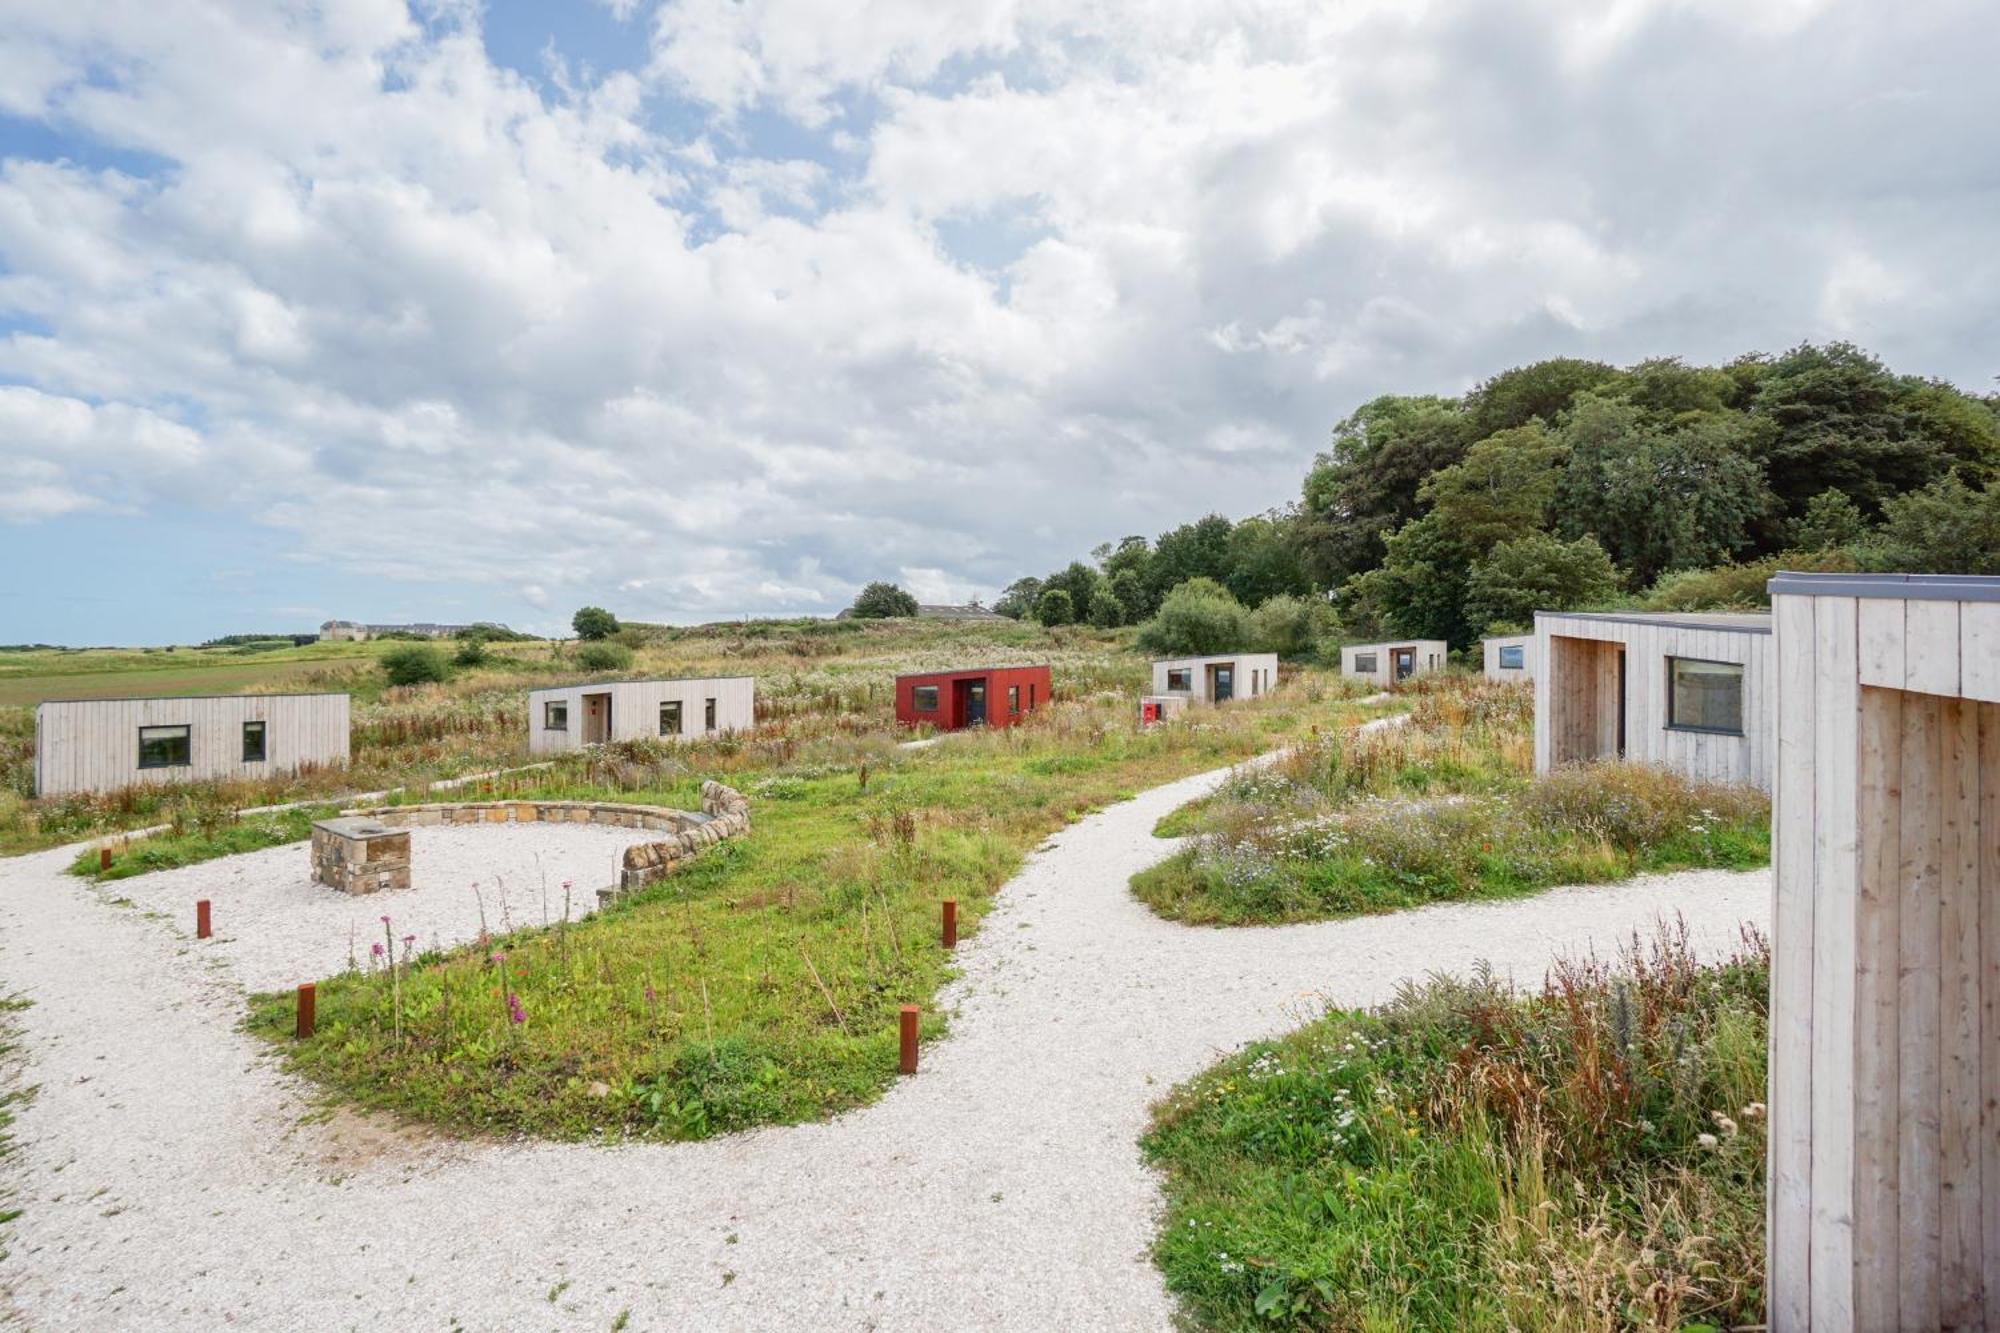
(1365,486)
(415,664)
(1193,550)
(1055,607)
(1292,627)
(1418,589)
(1198,616)
(1502,487)
(883,601)
(1539,392)
(1264,559)
(594,622)
(1830,521)
(1658,498)
(1537,573)
(1106,611)
(1018,599)
(1081,582)
(1129,587)
(1945,528)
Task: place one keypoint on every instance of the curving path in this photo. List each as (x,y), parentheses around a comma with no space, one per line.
(173,1177)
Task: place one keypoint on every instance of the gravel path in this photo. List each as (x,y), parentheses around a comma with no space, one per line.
(274,927)
(174,1178)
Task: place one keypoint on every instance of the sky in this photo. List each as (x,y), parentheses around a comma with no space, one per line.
(697,309)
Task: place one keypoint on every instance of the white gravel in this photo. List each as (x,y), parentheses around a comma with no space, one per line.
(174,1178)
(275,928)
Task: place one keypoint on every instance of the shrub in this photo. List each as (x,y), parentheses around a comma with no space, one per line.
(1106,611)
(1945,528)
(1055,607)
(1291,626)
(418,664)
(604,657)
(883,601)
(1737,587)
(593,623)
(1198,616)
(471,652)
(1537,573)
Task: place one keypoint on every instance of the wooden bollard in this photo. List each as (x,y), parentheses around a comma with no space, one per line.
(202,925)
(308,998)
(909,1062)
(103,859)
(951,923)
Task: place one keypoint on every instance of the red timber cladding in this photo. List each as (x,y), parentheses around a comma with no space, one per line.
(1032,681)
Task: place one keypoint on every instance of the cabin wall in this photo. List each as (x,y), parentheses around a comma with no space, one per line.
(635,709)
(1431,655)
(1256,674)
(92,745)
(1884,1182)
(1491,650)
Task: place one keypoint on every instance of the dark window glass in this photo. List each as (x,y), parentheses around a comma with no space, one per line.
(1365,664)
(1014,698)
(924,698)
(165,747)
(1032,687)
(708,715)
(1705,696)
(555,717)
(253,742)
(1180,679)
(670,718)
(1513,658)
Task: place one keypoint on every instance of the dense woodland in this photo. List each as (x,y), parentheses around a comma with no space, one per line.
(1569,484)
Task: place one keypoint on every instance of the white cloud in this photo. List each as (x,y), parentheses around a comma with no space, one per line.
(426,318)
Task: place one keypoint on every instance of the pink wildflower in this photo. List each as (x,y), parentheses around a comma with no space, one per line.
(515,1012)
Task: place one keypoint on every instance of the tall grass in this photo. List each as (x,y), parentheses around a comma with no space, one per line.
(1588,1157)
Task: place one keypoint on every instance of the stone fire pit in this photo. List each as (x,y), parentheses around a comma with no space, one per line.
(359,854)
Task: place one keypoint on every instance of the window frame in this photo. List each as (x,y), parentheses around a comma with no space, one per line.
(917,693)
(1367,664)
(679,711)
(186,737)
(1185,675)
(1013,701)
(1513,657)
(263,754)
(1742,675)
(555,715)
(708,714)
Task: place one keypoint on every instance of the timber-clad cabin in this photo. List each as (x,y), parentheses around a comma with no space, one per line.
(1690,692)
(569,717)
(1217,678)
(1884,1172)
(1387,663)
(997,696)
(1509,657)
(98,745)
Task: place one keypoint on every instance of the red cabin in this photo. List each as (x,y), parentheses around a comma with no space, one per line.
(979,697)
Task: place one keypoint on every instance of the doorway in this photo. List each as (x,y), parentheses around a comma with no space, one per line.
(971,701)
(1221,682)
(1587,684)
(1406,663)
(596,718)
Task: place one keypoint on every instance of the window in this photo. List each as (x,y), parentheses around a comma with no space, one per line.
(1014,700)
(253,742)
(1031,696)
(1365,664)
(1513,657)
(555,716)
(708,715)
(670,719)
(165,747)
(1704,696)
(1180,680)
(924,698)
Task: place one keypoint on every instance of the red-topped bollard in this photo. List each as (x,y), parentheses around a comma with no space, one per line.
(203,927)
(909,1063)
(308,999)
(103,859)
(951,923)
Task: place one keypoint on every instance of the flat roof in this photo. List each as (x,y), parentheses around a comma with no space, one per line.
(1388,643)
(974,671)
(1909,587)
(639,680)
(196,698)
(1495,638)
(1217,657)
(1740,622)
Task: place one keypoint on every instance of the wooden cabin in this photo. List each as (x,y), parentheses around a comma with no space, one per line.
(1216,679)
(1509,657)
(1387,663)
(997,696)
(1690,692)
(96,745)
(1884,1179)
(569,717)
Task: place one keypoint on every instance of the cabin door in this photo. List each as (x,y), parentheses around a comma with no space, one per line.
(596,719)
(1221,683)
(972,703)
(1406,663)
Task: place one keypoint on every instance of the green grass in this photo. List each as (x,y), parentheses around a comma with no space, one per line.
(1590,1157)
(761,984)
(223,835)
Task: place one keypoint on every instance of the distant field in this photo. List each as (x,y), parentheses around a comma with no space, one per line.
(27,679)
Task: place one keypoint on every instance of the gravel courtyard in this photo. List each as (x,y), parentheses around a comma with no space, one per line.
(172,1177)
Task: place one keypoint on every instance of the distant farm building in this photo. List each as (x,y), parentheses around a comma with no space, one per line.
(1387,663)
(976,697)
(1884,1130)
(97,745)
(1217,678)
(355,632)
(1691,692)
(569,717)
(1509,657)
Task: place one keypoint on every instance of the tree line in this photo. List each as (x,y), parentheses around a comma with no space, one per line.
(1569,484)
